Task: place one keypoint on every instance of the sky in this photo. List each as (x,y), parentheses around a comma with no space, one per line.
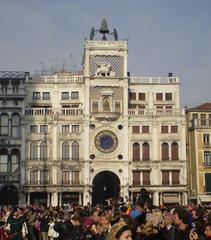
(164,36)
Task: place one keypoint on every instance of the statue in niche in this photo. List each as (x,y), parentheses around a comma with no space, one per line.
(104,70)
(106,104)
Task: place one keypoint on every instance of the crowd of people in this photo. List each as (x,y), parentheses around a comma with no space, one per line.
(118,220)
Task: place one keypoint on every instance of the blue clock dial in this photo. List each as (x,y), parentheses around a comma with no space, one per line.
(106,141)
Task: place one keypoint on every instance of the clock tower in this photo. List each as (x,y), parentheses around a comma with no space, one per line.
(106,115)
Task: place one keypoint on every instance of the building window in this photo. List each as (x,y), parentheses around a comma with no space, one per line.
(16,125)
(65,177)
(65,128)
(4,163)
(141,96)
(33,151)
(136,177)
(135,129)
(65,151)
(145,129)
(132,96)
(4,122)
(46,95)
(33,129)
(75,151)
(94,106)
(65,95)
(145,152)
(174,151)
(159,96)
(43,128)
(75,177)
(44,177)
(208,182)
(207,158)
(75,128)
(36,95)
(15,160)
(165,151)
(206,139)
(174,129)
(43,151)
(165,178)
(168,96)
(74,95)
(117,106)
(34,177)
(164,129)
(136,152)
(132,106)
(175,177)
(194,116)
(203,119)
(146,177)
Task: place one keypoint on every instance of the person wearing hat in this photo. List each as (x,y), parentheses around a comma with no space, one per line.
(120,231)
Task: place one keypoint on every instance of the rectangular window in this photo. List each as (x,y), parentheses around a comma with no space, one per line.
(141,96)
(206,139)
(175,177)
(168,107)
(135,129)
(164,129)
(43,177)
(132,96)
(65,95)
(174,129)
(159,96)
(141,106)
(15,163)
(168,96)
(194,116)
(75,177)
(132,106)
(94,106)
(43,128)
(146,177)
(117,106)
(165,177)
(145,129)
(33,129)
(36,95)
(4,163)
(65,128)
(75,128)
(34,177)
(208,182)
(207,158)
(136,177)
(65,177)
(203,119)
(46,95)
(74,95)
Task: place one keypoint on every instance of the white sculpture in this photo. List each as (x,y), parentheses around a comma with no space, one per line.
(104,69)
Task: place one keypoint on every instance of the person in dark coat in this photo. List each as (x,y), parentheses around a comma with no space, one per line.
(168,232)
(143,197)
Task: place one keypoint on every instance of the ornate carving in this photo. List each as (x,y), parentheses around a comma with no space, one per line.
(104,69)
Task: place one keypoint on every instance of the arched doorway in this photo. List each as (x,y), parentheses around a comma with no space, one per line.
(9,195)
(106,185)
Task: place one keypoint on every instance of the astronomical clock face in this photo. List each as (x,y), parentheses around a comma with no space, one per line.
(106,141)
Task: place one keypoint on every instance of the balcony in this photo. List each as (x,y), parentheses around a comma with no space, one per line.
(200,123)
(57,78)
(154,80)
(9,178)
(53,112)
(157,112)
(106,116)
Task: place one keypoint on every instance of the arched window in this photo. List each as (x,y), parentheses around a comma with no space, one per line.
(33,151)
(43,151)
(4,160)
(75,151)
(16,125)
(4,124)
(165,151)
(145,152)
(15,160)
(136,152)
(65,151)
(174,151)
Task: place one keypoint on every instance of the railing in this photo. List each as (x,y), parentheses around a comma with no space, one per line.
(154,80)
(53,112)
(9,178)
(56,79)
(201,122)
(157,112)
